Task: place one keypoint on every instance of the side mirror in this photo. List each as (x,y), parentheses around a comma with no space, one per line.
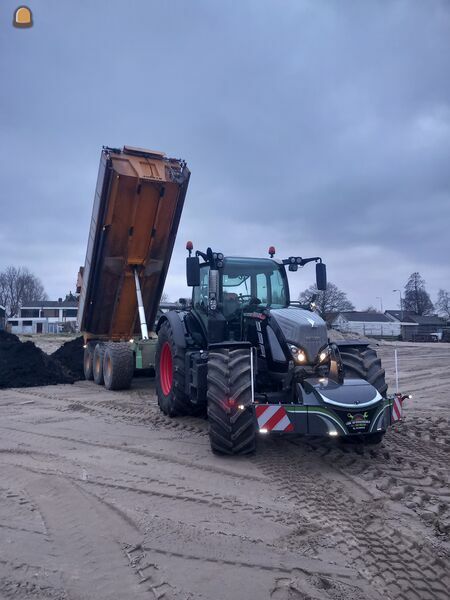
(321,276)
(193,271)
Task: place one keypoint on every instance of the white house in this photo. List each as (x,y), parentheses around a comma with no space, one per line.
(366,323)
(45,316)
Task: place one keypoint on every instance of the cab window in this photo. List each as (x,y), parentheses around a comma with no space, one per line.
(200,293)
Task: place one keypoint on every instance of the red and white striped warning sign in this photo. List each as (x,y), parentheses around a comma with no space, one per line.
(273,417)
(397,408)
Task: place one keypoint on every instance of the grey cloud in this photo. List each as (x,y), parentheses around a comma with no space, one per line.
(322,126)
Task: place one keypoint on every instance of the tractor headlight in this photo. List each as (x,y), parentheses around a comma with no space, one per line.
(298,354)
(323,356)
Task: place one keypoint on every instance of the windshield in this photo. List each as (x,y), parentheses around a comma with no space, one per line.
(252,282)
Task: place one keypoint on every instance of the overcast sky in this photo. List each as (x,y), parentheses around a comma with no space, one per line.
(319,127)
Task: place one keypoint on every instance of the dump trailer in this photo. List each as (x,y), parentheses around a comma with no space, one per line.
(138,202)
(258,363)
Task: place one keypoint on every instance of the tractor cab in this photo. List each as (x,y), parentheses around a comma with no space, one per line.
(227,291)
(243,286)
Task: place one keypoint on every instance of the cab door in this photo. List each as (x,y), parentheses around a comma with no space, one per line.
(200,297)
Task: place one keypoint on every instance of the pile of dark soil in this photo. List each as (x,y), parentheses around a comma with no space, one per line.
(22,364)
(70,355)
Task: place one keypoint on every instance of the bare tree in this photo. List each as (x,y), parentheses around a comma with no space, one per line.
(330,300)
(416,297)
(443,303)
(370,309)
(164,297)
(17,287)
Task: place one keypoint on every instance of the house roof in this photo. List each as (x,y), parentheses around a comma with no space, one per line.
(398,315)
(365,317)
(51,304)
(425,320)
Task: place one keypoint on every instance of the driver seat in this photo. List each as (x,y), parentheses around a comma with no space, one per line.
(230,304)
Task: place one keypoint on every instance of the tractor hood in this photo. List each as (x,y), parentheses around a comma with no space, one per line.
(302,328)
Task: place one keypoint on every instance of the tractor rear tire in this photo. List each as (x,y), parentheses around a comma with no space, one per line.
(118,366)
(231,428)
(170,375)
(363,363)
(88,361)
(97,363)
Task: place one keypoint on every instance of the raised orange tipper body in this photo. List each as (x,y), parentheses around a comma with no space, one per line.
(137,207)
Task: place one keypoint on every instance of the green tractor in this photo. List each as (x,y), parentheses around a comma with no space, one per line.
(258,363)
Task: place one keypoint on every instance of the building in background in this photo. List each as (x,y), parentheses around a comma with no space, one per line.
(366,323)
(420,328)
(2,317)
(45,316)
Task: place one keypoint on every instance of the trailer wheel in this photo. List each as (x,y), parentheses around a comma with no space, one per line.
(97,363)
(363,363)
(118,366)
(231,428)
(88,361)
(170,375)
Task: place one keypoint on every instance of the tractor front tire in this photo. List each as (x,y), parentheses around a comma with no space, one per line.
(170,375)
(97,366)
(231,422)
(363,363)
(88,361)
(118,366)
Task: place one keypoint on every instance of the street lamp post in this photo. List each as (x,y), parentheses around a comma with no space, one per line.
(381,303)
(401,303)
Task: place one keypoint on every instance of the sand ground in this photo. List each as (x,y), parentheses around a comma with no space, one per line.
(102,497)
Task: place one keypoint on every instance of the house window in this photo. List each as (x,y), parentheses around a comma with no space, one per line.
(27,323)
(50,312)
(70,312)
(13,323)
(29,312)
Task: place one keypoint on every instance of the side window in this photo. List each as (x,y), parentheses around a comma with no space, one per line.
(200,293)
(278,293)
(261,288)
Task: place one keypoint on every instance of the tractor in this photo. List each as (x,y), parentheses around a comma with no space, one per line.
(257,363)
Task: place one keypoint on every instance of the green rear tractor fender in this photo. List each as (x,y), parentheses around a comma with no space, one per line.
(174,318)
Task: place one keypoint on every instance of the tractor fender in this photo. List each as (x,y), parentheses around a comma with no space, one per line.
(347,343)
(175,320)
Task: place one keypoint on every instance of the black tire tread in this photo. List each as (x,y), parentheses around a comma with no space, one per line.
(99,353)
(231,430)
(88,357)
(363,363)
(122,364)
